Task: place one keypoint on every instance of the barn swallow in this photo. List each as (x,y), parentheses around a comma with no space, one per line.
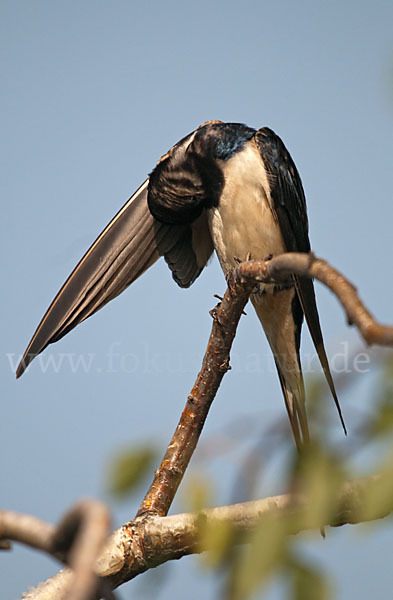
(224,187)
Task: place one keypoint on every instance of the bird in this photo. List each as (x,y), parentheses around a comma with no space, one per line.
(228,188)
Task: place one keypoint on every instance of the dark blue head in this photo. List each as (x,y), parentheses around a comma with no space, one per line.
(222,140)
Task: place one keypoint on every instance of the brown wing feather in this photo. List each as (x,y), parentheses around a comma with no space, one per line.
(129,245)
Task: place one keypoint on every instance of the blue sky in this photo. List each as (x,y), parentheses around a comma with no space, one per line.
(92,94)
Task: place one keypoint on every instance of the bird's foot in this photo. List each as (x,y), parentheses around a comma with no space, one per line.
(215,316)
(233,279)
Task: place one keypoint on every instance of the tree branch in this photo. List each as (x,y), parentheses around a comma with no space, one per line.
(215,363)
(151,540)
(80,536)
(77,541)
(307,265)
(26,529)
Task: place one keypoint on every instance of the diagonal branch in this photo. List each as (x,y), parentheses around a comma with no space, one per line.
(215,364)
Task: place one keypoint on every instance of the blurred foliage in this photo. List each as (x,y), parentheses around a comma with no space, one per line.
(255,562)
(271,550)
(382,421)
(318,474)
(198,492)
(130,467)
(308,582)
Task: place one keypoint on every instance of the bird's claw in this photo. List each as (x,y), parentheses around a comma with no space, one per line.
(214,315)
(238,260)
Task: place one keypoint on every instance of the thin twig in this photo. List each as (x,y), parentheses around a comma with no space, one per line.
(26,529)
(307,265)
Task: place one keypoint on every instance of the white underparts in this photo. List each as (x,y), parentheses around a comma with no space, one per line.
(244,222)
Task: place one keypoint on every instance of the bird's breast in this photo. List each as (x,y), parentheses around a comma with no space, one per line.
(244,222)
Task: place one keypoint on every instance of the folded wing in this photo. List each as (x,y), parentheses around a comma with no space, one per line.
(289,204)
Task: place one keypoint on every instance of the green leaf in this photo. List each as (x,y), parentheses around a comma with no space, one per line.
(129,467)
(308,583)
(198,493)
(318,475)
(378,497)
(218,538)
(261,557)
